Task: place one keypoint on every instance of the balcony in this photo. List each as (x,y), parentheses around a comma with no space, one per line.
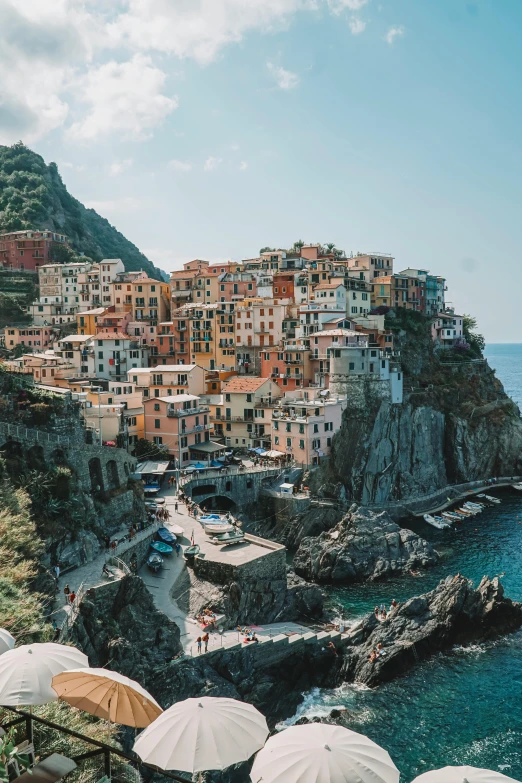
(176,413)
(197,428)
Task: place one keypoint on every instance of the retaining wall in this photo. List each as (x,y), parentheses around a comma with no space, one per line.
(269,566)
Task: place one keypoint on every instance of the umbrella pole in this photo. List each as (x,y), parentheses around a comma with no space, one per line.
(107,754)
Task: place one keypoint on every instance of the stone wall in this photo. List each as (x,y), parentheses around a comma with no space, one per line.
(243,488)
(140,549)
(270,567)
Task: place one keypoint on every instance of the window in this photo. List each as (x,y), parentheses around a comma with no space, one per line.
(158,440)
(351,366)
(275,425)
(301,444)
(328,427)
(276,440)
(100,368)
(227,397)
(157,424)
(249,398)
(289,443)
(316,428)
(289,427)
(156,406)
(328,441)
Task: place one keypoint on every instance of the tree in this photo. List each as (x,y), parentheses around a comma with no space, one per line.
(145,449)
(298,245)
(267,250)
(475,340)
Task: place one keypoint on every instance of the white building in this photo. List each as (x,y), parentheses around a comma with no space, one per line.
(60,297)
(446,329)
(115,354)
(350,365)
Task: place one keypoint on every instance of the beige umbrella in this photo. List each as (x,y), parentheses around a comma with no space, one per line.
(27,671)
(202,734)
(321,753)
(7,642)
(463,775)
(107,695)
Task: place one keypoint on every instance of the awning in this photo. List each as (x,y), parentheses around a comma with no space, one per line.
(208,447)
(151,466)
(259,451)
(273,454)
(247,463)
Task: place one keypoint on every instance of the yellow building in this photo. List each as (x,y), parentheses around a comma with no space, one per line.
(87,320)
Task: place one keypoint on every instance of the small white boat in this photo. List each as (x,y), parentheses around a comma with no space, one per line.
(451,516)
(474,507)
(437,522)
(229,538)
(517,486)
(490,498)
(216,528)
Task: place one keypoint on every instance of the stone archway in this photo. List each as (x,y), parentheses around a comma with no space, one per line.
(96,475)
(218,503)
(113,479)
(36,458)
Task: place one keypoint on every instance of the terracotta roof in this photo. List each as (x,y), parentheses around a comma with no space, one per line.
(240,383)
(328,285)
(112,336)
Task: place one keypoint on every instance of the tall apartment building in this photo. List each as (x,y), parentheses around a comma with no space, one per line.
(60,297)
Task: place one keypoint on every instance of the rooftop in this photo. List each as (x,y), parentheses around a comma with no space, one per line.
(328,285)
(174,398)
(240,383)
(112,336)
(76,338)
(94,311)
(161,368)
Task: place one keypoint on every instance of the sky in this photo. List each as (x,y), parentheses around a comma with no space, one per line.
(210,128)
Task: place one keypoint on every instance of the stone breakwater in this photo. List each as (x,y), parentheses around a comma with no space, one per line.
(363,545)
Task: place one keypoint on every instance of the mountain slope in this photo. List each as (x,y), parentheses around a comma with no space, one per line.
(32,195)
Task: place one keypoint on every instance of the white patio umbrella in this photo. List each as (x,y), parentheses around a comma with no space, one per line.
(107,695)
(7,642)
(27,671)
(321,753)
(463,775)
(203,734)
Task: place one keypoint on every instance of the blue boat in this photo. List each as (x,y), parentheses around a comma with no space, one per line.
(209,517)
(155,562)
(166,536)
(159,546)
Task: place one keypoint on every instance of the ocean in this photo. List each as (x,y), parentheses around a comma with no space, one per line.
(464,706)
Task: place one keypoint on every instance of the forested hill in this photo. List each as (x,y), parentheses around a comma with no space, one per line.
(32,195)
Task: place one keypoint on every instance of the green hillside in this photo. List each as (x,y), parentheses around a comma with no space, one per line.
(32,195)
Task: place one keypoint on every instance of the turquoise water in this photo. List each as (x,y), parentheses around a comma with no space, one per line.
(465,706)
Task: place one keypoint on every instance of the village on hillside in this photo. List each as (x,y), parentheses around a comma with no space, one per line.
(260,355)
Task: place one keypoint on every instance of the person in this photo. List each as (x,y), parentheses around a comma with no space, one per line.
(134,563)
(72,597)
(205,638)
(114,544)
(176,506)
(67,592)
(56,630)
(331,646)
(383,613)
(105,571)
(380,649)
(254,638)
(376,610)
(178,549)
(381,607)
(57,571)
(198,640)
(394,604)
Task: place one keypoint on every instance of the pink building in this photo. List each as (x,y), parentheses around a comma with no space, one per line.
(179,423)
(305,427)
(289,367)
(320,345)
(38,337)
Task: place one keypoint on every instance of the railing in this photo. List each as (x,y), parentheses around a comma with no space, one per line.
(197,428)
(71,615)
(176,413)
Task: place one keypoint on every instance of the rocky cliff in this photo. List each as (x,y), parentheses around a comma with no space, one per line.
(456,425)
(363,545)
(119,627)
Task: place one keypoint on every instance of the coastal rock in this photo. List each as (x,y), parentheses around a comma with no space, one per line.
(364,545)
(118,624)
(453,613)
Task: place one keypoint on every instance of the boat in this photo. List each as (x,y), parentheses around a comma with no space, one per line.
(155,562)
(162,548)
(216,528)
(490,498)
(517,486)
(191,552)
(473,507)
(451,516)
(177,531)
(216,517)
(436,521)
(166,536)
(229,538)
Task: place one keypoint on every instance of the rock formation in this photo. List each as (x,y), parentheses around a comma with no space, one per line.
(254,601)
(118,624)
(453,613)
(363,545)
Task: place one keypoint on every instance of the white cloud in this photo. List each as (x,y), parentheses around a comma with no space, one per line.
(66,164)
(126,97)
(179,165)
(243,165)
(119,166)
(115,206)
(212,163)
(338,6)
(394,32)
(199,29)
(285,80)
(357,26)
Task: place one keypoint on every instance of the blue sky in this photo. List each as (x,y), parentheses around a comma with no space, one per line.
(208,128)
